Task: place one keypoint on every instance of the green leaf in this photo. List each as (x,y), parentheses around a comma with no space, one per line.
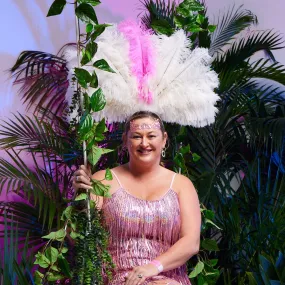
(207,221)
(56,7)
(51,253)
(51,277)
(83,76)
(89,28)
(91,2)
(108,174)
(196,157)
(85,125)
(64,266)
(82,196)
(209,244)
(187,7)
(209,214)
(98,30)
(98,100)
(86,13)
(42,260)
(103,65)
(185,149)
(87,105)
(38,277)
(162,27)
(179,21)
(94,80)
(200,19)
(100,189)
(214,262)
(194,28)
(91,50)
(197,270)
(64,250)
(100,130)
(58,235)
(74,235)
(66,214)
(95,154)
(212,28)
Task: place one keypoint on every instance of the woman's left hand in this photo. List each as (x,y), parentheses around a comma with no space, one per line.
(147,270)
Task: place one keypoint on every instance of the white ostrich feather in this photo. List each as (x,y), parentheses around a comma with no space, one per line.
(183,86)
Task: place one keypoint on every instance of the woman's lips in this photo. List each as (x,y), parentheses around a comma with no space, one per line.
(144,151)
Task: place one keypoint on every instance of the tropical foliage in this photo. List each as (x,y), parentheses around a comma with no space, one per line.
(240,175)
(236,164)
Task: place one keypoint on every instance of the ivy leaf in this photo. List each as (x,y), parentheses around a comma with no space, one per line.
(51,277)
(98,100)
(162,27)
(82,196)
(103,65)
(100,130)
(64,266)
(38,277)
(210,244)
(95,154)
(74,235)
(56,7)
(179,21)
(91,50)
(83,76)
(209,214)
(94,80)
(98,30)
(85,125)
(86,13)
(91,2)
(66,214)
(214,262)
(194,28)
(212,28)
(64,250)
(207,221)
(197,270)
(86,101)
(185,149)
(89,28)
(200,19)
(51,253)
(196,157)
(42,260)
(58,235)
(100,189)
(108,174)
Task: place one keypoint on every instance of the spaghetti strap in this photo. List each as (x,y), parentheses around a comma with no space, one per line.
(172,180)
(113,172)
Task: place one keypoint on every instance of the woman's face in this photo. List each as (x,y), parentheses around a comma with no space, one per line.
(145,141)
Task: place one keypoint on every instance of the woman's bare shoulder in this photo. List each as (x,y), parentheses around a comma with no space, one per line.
(183,183)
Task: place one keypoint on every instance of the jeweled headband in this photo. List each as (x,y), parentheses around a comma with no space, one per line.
(134,127)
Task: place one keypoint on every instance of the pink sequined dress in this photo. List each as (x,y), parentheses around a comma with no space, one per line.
(140,231)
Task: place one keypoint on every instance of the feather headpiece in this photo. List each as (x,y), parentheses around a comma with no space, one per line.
(155,73)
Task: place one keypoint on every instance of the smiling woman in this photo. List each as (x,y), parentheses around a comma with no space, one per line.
(153,215)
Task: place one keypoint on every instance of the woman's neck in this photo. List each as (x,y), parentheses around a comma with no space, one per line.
(143,170)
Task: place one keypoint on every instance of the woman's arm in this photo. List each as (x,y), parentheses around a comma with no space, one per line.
(189,243)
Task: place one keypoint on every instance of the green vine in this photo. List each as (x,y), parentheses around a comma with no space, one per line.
(78,251)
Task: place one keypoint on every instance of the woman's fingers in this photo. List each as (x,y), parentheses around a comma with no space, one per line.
(133,279)
(81,178)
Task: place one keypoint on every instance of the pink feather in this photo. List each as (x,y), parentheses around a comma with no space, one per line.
(142,56)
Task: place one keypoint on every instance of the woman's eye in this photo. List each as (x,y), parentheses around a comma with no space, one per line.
(152,136)
(136,137)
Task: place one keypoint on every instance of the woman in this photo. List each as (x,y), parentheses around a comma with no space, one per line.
(153,215)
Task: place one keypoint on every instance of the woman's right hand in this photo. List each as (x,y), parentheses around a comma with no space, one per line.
(82,178)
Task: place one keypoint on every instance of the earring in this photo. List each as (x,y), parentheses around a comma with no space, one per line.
(163,152)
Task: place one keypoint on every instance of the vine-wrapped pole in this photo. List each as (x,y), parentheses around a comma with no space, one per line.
(81,103)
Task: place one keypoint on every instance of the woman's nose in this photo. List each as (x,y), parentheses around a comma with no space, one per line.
(144,141)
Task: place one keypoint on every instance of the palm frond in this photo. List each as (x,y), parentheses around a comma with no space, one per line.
(230,25)
(240,51)
(43,80)
(157,10)
(39,186)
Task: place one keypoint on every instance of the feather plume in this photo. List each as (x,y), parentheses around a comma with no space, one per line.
(184,83)
(141,54)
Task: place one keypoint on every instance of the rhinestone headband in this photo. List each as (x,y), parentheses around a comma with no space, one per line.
(134,126)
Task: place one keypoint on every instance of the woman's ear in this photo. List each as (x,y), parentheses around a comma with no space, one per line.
(124,139)
(165,138)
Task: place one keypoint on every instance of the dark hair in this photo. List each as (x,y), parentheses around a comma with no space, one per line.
(143,114)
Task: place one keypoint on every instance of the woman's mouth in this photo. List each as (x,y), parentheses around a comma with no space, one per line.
(144,151)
